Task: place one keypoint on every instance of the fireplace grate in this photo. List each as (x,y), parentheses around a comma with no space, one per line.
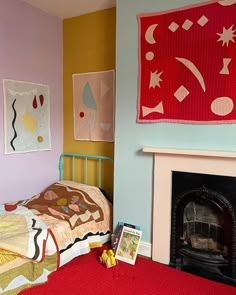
(205,257)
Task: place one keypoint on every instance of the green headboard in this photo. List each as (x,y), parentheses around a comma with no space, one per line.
(85,158)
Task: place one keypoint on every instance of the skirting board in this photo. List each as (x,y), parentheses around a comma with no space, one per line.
(145,249)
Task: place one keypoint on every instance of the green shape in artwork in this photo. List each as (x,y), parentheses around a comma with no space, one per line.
(88,98)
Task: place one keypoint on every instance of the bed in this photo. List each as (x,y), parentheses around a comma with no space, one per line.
(65,220)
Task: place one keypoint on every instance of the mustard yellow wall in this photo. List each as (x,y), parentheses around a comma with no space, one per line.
(88,46)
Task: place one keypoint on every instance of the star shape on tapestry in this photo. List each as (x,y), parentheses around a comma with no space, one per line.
(227,35)
(155,79)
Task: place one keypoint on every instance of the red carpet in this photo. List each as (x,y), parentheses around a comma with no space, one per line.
(86,276)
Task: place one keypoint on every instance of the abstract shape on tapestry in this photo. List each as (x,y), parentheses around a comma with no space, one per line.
(186,64)
(94,106)
(26,117)
(225,69)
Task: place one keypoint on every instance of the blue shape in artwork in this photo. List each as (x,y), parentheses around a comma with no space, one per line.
(88,98)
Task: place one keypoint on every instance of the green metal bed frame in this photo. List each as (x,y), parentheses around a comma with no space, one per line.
(85,158)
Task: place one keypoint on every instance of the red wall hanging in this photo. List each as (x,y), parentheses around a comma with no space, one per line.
(187,65)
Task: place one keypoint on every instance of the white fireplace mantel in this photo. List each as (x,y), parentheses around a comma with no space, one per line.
(165,162)
(186,152)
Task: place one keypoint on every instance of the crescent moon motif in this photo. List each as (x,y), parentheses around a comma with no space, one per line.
(227,2)
(194,70)
(149,34)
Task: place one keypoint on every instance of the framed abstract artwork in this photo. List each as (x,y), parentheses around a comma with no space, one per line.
(26,117)
(94,104)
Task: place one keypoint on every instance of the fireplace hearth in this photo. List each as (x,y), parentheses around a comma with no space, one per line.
(203,232)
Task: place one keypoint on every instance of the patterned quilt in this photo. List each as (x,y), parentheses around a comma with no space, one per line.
(28,253)
(34,232)
(74,212)
(65,202)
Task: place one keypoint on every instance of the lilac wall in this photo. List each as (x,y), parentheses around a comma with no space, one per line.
(30,50)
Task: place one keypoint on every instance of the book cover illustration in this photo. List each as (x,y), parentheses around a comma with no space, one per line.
(128,244)
(117,232)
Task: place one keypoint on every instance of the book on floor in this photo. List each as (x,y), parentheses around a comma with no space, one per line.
(116,234)
(128,244)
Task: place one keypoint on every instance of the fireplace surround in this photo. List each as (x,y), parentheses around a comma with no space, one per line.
(165,249)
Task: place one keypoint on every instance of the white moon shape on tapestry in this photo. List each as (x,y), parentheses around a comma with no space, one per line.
(149,34)
(227,2)
(188,64)
(222,106)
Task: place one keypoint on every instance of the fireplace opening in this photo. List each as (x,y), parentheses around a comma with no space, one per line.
(203,225)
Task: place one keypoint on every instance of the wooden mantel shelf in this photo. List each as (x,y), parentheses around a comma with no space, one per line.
(206,153)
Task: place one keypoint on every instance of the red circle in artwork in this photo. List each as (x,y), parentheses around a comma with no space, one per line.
(81,114)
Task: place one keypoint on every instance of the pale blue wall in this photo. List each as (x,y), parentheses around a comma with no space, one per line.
(134,169)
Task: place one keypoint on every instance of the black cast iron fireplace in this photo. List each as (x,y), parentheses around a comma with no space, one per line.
(203,225)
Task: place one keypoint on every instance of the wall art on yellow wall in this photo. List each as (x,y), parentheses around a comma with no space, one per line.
(94,106)
(26,117)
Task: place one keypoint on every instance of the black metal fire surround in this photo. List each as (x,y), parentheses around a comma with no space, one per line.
(207,190)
